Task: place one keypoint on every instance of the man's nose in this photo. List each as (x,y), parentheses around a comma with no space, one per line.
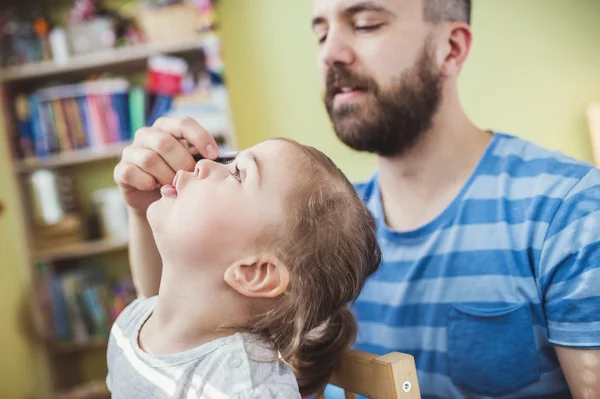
(337,49)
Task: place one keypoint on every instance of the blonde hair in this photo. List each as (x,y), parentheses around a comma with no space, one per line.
(329,244)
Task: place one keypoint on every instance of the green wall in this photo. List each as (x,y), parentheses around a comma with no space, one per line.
(535,65)
(534,68)
(20,368)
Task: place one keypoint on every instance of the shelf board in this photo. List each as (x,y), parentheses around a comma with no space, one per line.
(70,158)
(64,348)
(89,390)
(100,59)
(82,250)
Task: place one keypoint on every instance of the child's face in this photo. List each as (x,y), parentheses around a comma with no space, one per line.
(216,214)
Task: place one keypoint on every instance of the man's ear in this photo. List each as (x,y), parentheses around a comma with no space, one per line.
(264,277)
(456,48)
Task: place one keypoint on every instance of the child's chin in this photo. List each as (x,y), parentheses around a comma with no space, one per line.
(156,211)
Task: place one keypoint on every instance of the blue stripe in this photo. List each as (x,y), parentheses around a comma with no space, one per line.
(563,394)
(502,210)
(575,311)
(426,315)
(421,338)
(583,286)
(550,385)
(516,188)
(508,145)
(584,335)
(452,290)
(589,181)
(572,240)
(580,207)
(572,265)
(497,262)
(409,338)
(517,167)
(476,237)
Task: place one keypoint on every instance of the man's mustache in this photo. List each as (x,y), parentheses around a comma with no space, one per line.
(338,77)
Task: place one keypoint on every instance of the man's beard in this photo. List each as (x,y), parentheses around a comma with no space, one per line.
(387,122)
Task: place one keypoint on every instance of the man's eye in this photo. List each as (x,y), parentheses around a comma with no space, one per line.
(321,35)
(369,28)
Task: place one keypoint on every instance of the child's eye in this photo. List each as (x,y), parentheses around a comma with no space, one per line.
(237,174)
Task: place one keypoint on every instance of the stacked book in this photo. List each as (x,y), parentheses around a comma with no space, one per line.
(81,304)
(85,115)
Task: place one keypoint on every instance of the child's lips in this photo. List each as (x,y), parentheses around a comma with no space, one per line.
(168,190)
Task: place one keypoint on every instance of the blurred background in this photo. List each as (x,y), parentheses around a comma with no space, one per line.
(78,78)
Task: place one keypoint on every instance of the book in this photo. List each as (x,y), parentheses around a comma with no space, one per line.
(83,303)
(90,114)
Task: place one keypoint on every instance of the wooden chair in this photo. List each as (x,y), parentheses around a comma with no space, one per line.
(392,376)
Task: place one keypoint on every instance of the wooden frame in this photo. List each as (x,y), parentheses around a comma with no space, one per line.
(392,376)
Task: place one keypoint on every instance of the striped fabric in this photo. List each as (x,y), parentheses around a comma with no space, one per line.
(234,367)
(480,294)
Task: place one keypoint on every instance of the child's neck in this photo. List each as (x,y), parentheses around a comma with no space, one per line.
(190,308)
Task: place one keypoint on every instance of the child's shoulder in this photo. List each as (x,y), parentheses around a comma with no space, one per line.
(250,369)
(134,313)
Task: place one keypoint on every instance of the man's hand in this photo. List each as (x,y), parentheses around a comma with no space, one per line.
(151,161)
(156,154)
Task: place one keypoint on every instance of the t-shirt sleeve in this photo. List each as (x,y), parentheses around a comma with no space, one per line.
(569,267)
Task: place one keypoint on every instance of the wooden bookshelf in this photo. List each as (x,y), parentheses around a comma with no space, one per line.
(100,59)
(71,158)
(90,390)
(82,250)
(129,62)
(65,348)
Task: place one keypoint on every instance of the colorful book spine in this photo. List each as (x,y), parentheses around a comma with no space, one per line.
(86,115)
(83,303)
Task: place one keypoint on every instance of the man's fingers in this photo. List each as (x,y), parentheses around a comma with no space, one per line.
(131,175)
(170,149)
(150,162)
(192,131)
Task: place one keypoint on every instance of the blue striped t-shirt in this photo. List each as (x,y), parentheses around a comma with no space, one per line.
(480,294)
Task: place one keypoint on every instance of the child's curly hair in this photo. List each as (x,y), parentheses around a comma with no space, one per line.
(330,247)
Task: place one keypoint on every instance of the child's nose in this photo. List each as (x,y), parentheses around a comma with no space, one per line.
(205,168)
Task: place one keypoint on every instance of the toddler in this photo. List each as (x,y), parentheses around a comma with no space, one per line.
(260,259)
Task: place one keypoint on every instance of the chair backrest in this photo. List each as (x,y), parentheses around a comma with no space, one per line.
(392,376)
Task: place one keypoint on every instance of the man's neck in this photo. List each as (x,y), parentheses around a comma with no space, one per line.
(190,310)
(417,186)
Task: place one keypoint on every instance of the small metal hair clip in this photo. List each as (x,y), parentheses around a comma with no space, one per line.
(224,157)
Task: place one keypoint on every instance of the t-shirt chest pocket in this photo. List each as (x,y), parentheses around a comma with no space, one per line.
(492,349)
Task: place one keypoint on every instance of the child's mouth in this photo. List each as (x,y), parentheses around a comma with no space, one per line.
(168,190)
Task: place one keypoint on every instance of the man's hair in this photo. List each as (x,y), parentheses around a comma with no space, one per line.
(447,10)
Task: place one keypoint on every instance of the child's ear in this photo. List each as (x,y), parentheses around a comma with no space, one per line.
(264,277)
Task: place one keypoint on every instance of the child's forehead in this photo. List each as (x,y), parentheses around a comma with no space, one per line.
(276,151)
